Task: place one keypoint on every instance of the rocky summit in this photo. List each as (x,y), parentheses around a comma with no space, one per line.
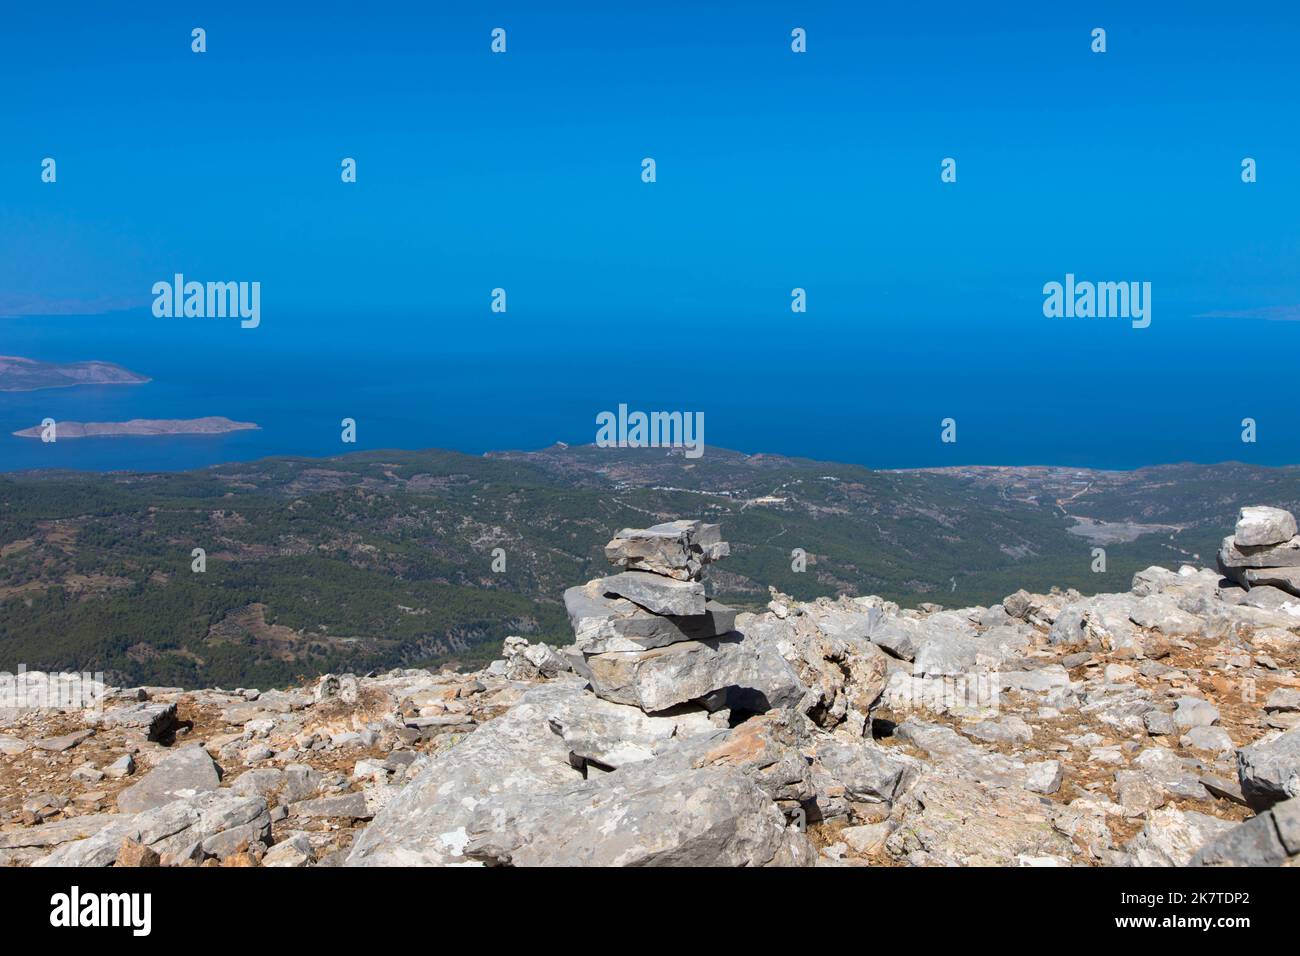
(1155,727)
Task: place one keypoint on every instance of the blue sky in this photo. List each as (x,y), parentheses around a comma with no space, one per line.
(775,170)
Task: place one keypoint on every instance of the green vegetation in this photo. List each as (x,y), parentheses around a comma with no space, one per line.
(383,559)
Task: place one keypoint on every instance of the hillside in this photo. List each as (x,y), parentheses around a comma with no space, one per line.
(385,558)
(26,375)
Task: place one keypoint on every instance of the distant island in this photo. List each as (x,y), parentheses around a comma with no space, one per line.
(27,375)
(142,427)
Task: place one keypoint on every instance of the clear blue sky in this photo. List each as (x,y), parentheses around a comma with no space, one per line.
(775,170)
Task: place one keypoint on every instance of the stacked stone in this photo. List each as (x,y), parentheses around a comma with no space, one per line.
(649,636)
(1264,550)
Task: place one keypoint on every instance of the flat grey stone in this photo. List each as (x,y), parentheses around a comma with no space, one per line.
(156,720)
(180,826)
(1232,556)
(664,677)
(678,549)
(1213,739)
(64,742)
(641,816)
(183,772)
(1009,730)
(656,593)
(604,624)
(1159,724)
(293,852)
(1223,788)
(1253,843)
(347,805)
(1284,700)
(1286,579)
(57,832)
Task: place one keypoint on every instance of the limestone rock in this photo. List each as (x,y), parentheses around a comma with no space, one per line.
(214,823)
(614,735)
(727,671)
(518,753)
(603,624)
(1172,836)
(656,593)
(1269,770)
(713,816)
(677,549)
(183,772)
(842,672)
(1253,843)
(156,720)
(1259,526)
(949,821)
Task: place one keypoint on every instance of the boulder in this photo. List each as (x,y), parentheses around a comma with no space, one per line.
(1285,579)
(518,753)
(612,735)
(603,624)
(1269,770)
(768,748)
(677,549)
(214,823)
(1171,837)
(1258,526)
(1253,843)
(656,593)
(842,672)
(722,672)
(640,816)
(1286,817)
(156,720)
(181,773)
(859,771)
(1233,556)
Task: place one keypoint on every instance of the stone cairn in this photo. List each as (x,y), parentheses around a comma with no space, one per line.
(1263,551)
(650,637)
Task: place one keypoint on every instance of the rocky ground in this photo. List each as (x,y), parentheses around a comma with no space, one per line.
(1155,727)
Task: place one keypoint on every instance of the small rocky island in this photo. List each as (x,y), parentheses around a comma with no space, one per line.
(27,375)
(141,428)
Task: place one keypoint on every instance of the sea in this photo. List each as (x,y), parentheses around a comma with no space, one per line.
(1096,394)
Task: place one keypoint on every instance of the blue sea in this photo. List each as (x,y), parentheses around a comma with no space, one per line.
(871,391)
